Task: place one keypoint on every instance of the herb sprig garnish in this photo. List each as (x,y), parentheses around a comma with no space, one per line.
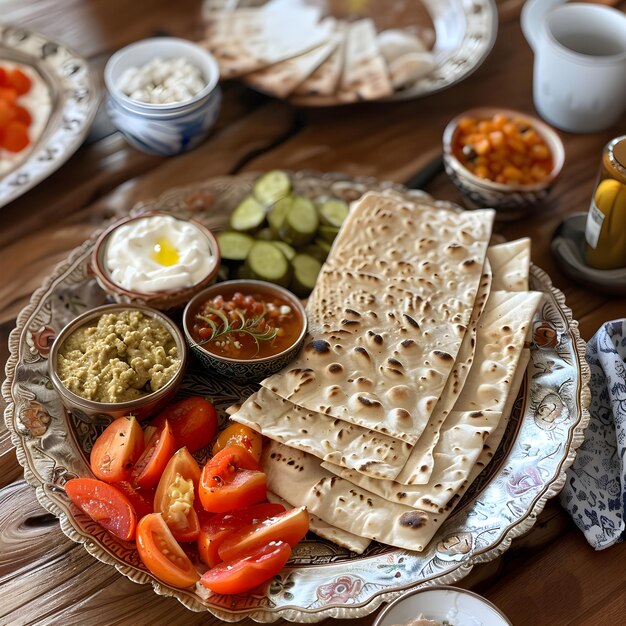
(230,327)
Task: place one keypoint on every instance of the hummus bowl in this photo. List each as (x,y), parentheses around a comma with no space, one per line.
(147,403)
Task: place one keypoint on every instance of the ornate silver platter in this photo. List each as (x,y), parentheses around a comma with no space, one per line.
(74,97)
(322,580)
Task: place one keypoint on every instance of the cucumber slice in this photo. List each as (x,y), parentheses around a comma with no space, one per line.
(266,262)
(301,223)
(265,234)
(277,214)
(328,233)
(323,245)
(286,249)
(272,187)
(305,271)
(234,246)
(333,212)
(248,216)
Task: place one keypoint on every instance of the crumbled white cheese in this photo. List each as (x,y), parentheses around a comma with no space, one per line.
(284,309)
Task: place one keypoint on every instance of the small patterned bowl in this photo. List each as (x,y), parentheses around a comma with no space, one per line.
(89,411)
(510,201)
(250,370)
(163,129)
(162,300)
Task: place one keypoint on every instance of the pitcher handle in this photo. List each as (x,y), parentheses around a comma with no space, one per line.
(533,13)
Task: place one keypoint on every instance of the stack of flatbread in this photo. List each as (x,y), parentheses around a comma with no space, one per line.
(286,49)
(402,392)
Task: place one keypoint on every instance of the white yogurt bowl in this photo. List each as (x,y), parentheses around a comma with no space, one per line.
(163,129)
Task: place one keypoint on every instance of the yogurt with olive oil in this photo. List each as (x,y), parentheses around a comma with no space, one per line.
(158,253)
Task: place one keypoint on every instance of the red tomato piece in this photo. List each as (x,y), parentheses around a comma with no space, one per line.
(23,115)
(231,480)
(104,504)
(249,572)
(7,113)
(19,81)
(15,137)
(8,93)
(161,553)
(141,499)
(175,496)
(193,421)
(290,526)
(3,77)
(117,449)
(238,434)
(215,528)
(158,452)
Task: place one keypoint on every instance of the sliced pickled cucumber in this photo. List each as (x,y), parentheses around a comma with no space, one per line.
(305,271)
(323,245)
(234,246)
(248,216)
(277,214)
(328,233)
(301,223)
(266,262)
(265,234)
(272,187)
(286,249)
(333,212)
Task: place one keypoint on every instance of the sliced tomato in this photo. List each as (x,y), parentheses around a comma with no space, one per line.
(117,449)
(290,526)
(231,480)
(104,504)
(215,528)
(240,435)
(249,572)
(158,452)
(141,499)
(161,553)
(193,422)
(19,81)
(175,495)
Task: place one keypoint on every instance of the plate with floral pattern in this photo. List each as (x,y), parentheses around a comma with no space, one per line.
(321,580)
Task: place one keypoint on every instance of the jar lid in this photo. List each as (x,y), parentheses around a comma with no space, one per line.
(619,151)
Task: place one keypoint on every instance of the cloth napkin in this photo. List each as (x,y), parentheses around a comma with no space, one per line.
(595,490)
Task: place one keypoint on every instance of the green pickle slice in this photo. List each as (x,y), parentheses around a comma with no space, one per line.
(271,187)
(248,216)
(301,222)
(266,262)
(234,246)
(286,249)
(278,213)
(333,212)
(305,271)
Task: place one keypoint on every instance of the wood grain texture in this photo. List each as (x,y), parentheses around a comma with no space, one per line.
(550,576)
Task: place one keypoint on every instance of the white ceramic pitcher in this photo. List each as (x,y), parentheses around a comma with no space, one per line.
(579,78)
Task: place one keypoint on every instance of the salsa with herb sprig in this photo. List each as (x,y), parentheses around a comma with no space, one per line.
(246,326)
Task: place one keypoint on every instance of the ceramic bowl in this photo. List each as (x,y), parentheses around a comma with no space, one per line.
(162,300)
(510,201)
(251,370)
(452,604)
(163,129)
(90,411)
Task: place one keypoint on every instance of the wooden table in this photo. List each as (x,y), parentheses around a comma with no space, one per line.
(550,576)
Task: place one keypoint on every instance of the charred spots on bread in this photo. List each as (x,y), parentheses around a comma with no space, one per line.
(320,346)
(414,519)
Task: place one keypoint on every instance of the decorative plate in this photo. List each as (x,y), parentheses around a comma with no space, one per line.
(465,32)
(322,580)
(74,97)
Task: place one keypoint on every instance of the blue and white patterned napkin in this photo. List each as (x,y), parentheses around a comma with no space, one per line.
(595,491)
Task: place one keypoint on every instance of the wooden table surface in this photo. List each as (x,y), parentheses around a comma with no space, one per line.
(550,576)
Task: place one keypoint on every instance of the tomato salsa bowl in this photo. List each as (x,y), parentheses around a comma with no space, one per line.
(245,329)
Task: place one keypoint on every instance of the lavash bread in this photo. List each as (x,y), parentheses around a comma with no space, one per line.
(393,326)
(510,263)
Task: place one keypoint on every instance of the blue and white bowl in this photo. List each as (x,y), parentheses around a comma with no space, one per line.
(163,129)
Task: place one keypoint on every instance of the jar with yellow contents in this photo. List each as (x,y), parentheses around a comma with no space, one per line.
(605,231)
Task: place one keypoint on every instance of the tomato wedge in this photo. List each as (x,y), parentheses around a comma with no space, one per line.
(141,499)
(150,466)
(238,434)
(231,480)
(290,526)
(161,553)
(117,449)
(104,504)
(249,572)
(215,528)
(193,422)
(175,495)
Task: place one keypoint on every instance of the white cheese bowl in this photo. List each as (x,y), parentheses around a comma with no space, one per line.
(163,129)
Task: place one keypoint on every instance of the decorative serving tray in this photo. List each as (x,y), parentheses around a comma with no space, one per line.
(322,580)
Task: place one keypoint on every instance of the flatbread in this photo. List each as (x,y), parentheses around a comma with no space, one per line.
(282,78)
(392,327)
(351,542)
(510,264)
(365,75)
